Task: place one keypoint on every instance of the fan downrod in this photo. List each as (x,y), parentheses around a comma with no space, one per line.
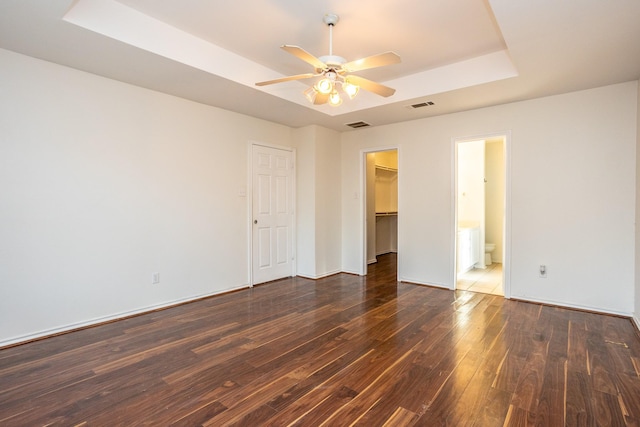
(331,19)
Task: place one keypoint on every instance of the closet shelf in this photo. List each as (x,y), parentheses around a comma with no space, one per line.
(386,168)
(378,214)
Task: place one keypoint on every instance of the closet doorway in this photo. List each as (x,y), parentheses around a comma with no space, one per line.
(381,204)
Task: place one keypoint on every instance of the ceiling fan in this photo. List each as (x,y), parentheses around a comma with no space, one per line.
(336,71)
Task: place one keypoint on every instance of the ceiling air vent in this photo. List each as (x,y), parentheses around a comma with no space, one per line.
(421,104)
(357,125)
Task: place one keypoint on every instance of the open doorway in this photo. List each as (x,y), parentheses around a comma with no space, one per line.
(481,215)
(381,204)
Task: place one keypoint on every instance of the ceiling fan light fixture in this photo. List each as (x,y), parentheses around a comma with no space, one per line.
(350,89)
(324,86)
(311,94)
(334,99)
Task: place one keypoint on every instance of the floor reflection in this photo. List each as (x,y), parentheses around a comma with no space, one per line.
(486,280)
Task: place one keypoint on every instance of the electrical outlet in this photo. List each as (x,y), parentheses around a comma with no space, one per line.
(543,271)
(155,278)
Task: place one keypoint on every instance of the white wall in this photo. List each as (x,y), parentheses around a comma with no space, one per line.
(471,192)
(494,218)
(328,206)
(471,174)
(318,201)
(305,143)
(572,195)
(102,184)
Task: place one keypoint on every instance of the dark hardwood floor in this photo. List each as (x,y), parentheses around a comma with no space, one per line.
(344,350)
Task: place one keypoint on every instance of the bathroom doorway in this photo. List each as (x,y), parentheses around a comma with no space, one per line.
(381,204)
(481,201)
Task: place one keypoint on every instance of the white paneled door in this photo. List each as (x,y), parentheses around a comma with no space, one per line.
(272,239)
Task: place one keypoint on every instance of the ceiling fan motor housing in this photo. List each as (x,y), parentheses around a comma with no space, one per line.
(333,61)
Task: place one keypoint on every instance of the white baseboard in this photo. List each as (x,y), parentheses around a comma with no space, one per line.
(356,273)
(540,301)
(574,306)
(316,277)
(393,251)
(418,282)
(104,319)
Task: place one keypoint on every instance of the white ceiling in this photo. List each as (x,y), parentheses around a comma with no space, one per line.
(458,54)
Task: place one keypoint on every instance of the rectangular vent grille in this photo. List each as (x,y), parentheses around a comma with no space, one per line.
(357,125)
(422,104)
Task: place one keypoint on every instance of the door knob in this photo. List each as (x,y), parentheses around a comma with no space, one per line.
(255,221)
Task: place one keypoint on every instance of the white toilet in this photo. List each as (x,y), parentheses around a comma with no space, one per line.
(488,248)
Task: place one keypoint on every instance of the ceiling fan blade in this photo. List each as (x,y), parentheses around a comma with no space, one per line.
(371,86)
(286,79)
(321,98)
(305,56)
(379,60)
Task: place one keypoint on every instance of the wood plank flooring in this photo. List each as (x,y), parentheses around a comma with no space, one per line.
(340,351)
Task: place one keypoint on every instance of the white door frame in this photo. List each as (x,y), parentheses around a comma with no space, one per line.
(249,195)
(506,232)
(363,204)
